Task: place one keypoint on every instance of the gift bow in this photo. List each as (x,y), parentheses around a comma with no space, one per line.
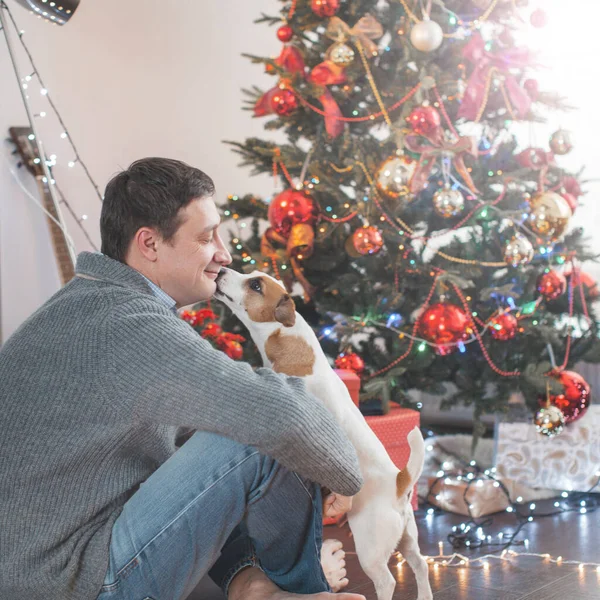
(440,147)
(300,242)
(365,31)
(475,97)
(538,160)
(291,60)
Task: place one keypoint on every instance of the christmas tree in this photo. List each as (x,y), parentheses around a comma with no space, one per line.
(422,244)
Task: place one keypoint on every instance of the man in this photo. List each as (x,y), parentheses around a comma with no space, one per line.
(95,501)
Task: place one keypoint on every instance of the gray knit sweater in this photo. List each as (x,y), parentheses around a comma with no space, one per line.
(94,388)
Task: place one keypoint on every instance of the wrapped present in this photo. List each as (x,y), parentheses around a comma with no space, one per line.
(483,497)
(352,382)
(392,430)
(569,461)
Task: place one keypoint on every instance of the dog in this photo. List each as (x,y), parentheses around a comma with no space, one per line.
(381,517)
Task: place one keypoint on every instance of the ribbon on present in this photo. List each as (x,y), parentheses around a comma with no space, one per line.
(293,63)
(365,31)
(487,64)
(300,243)
(439,146)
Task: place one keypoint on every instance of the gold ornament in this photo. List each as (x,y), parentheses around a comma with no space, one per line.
(341,54)
(549,421)
(561,142)
(519,251)
(394,176)
(549,216)
(448,202)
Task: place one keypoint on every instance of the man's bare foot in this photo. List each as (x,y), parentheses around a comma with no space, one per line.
(334,564)
(253,584)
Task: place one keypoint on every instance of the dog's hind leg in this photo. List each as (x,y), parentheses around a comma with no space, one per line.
(409,548)
(375,540)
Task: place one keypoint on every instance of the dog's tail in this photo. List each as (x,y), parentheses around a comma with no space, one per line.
(407,477)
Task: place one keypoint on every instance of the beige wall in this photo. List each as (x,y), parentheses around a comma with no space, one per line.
(147,77)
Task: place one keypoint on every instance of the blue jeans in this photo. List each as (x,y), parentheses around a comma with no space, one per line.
(215,507)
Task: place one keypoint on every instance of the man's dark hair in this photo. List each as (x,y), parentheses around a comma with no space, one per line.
(148,194)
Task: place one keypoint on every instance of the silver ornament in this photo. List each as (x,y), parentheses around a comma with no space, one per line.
(448,202)
(427,36)
(561,142)
(549,421)
(519,251)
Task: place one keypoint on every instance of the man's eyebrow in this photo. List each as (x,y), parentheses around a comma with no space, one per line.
(209,228)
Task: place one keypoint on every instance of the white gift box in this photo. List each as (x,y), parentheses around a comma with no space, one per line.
(569,461)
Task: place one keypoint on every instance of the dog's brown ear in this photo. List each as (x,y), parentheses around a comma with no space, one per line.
(285,311)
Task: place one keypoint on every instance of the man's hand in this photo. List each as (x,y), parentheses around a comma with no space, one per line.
(336,505)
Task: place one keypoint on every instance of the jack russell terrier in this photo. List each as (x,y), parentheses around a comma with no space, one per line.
(381,517)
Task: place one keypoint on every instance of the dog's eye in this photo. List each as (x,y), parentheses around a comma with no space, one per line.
(255,285)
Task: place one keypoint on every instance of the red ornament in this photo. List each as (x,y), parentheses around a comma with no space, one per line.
(504,326)
(350,361)
(575,399)
(538,18)
(284,102)
(552,285)
(367,240)
(285,33)
(211,331)
(424,120)
(444,324)
(571,201)
(532,88)
(290,208)
(325,8)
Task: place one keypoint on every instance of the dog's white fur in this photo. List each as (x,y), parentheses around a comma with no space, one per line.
(380,521)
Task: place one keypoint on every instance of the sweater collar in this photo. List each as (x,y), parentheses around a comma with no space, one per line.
(100,266)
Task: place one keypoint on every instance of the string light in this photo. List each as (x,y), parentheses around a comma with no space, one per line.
(471,533)
(44,92)
(457,560)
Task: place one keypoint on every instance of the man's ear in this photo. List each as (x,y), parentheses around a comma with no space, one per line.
(285,311)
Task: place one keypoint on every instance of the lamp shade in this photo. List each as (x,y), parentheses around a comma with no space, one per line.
(55,11)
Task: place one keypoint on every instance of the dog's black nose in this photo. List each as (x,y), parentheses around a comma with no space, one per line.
(220,274)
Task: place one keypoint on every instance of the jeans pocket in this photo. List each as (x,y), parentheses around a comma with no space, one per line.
(122,574)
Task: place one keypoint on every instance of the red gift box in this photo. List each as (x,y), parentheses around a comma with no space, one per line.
(352,381)
(392,430)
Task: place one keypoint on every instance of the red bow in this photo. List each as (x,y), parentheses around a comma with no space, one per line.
(291,60)
(477,90)
(440,147)
(538,160)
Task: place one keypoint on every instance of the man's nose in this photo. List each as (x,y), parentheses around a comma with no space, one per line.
(222,255)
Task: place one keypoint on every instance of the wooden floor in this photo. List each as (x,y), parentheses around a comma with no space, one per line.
(571,535)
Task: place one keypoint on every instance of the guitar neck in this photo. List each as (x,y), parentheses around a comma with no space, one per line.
(28,151)
(66,269)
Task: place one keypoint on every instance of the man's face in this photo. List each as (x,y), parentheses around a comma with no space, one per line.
(187,266)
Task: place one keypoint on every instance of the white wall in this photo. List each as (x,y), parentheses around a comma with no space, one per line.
(149,77)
